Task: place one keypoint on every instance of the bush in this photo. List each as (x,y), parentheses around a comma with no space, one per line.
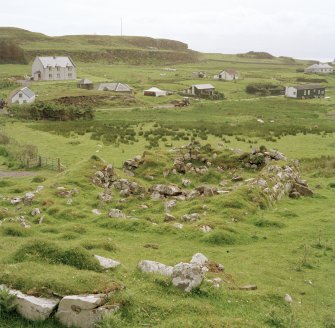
(38,179)
(14,231)
(263,223)
(107,245)
(218,238)
(265,89)
(51,111)
(6,302)
(45,251)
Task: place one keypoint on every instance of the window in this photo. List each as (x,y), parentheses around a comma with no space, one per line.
(20,95)
(305,92)
(69,75)
(69,68)
(58,68)
(50,76)
(309,92)
(50,68)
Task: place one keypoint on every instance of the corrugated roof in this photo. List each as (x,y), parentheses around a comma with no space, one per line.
(56,61)
(203,86)
(308,86)
(29,93)
(118,87)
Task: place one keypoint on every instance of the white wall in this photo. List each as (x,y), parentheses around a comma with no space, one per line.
(23,99)
(291,92)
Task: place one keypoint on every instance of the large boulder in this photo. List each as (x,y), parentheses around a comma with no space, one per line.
(187,276)
(199,259)
(166,190)
(207,190)
(83,311)
(31,307)
(155,267)
(116,213)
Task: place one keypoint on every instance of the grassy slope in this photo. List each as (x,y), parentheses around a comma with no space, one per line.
(278,260)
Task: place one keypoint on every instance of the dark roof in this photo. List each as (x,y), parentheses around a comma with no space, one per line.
(308,86)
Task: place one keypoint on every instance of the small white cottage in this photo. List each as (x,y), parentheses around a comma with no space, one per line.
(53,69)
(116,87)
(319,69)
(154,92)
(23,96)
(227,75)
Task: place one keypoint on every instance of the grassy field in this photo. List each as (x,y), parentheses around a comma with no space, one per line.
(284,248)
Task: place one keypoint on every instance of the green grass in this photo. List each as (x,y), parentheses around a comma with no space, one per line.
(277,247)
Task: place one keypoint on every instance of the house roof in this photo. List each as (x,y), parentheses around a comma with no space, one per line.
(154,89)
(320,65)
(118,87)
(230,71)
(29,93)
(203,86)
(56,61)
(85,81)
(308,86)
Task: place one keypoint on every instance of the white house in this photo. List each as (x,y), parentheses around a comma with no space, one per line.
(22,96)
(154,92)
(227,75)
(53,69)
(319,69)
(201,90)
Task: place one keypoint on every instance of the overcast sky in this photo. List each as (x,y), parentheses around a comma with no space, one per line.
(298,28)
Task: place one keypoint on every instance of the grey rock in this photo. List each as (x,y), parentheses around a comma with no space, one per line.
(155,267)
(116,213)
(107,263)
(199,259)
(187,276)
(169,217)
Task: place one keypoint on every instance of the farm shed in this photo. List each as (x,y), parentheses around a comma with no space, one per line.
(85,84)
(22,96)
(53,69)
(154,92)
(227,75)
(319,69)
(305,91)
(116,87)
(201,90)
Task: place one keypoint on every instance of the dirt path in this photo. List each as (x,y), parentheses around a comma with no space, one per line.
(16,174)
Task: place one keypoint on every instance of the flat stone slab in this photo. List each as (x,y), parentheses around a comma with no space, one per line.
(31,307)
(83,311)
(107,263)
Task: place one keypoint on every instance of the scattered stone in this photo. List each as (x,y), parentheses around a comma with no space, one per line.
(16,200)
(178,225)
(294,194)
(144,206)
(40,221)
(69,201)
(288,298)
(303,190)
(187,276)
(191,217)
(105,196)
(169,205)
(107,263)
(23,222)
(205,229)
(133,164)
(155,267)
(116,213)
(216,282)
(248,287)
(35,211)
(207,190)
(96,211)
(166,190)
(237,178)
(169,217)
(186,182)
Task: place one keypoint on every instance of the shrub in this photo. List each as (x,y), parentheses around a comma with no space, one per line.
(218,238)
(6,302)
(107,245)
(262,223)
(14,231)
(264,89)
(38,179)
(45,251)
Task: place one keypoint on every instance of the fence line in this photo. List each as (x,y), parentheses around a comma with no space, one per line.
(41,161)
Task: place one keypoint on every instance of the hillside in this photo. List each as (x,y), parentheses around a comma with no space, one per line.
(111,49)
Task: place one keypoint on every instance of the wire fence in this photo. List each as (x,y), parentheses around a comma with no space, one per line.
(42,162)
